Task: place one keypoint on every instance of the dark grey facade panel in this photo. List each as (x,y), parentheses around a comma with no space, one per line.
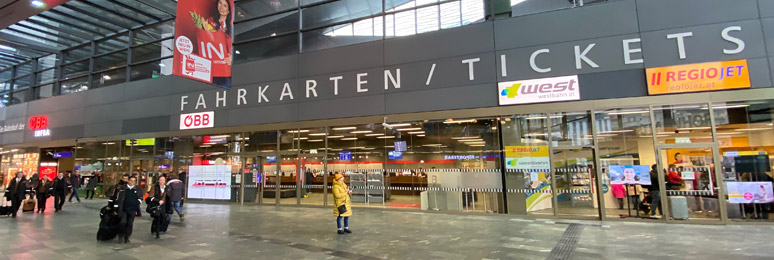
(162,86)
(597,21)
(286,67)
(766,8)
(14,137)
(475,38)
(104,113)
(664,14)
(768,33)
(705,45)
(60,118)
(342,108)
(760,76)
(102,129)
(252,115)
(105,96)
(347,58)
(447,73)
(613,84)
(538,6)
(148,107)
(473,96)
(145,125)
(771,67)
(59,133)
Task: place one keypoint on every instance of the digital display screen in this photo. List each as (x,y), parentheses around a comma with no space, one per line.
(400,146)
(395,155)
(345,156)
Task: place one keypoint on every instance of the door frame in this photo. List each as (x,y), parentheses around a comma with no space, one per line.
(719,182)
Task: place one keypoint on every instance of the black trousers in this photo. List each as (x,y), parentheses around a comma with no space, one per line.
(59,199)
(87,194)
(15,204)
(126,225)
(42,202)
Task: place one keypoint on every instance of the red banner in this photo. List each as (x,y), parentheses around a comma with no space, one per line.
(204,33)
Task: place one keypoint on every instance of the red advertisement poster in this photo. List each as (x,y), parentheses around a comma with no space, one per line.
(204,33)
(49,171)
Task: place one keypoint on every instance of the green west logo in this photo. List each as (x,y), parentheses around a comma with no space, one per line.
(511,91)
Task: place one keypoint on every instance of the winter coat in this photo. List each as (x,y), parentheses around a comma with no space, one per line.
(16,190)
(92,183)
(121,197)
(43,189)
(60,185)
(341,197)
(158,194)
(75,181)
(175,190)
(618,191)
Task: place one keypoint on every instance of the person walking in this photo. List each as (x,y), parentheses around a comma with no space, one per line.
(176,193)
(159,198)
(127,205)
(91,186)
(60,191)
(343,206)
(43,191)
(116,188)
(75,183)
(16,191)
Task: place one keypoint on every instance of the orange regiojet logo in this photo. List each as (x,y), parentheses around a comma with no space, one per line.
(698,77)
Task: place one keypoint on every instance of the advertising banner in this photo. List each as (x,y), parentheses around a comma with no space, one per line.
(749,192)
(698,77)
(209,182)
(204,33)
(527,157)
(630,174)
(539,90)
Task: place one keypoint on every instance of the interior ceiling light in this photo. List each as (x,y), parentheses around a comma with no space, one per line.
(431,144)
(466,137)
(754,129)
(301,138)
(37,3)
(694,128)
(349,138)
(374,134)
(344,128)
(318,134)
(385,137)
(421,135)
(417,132)
(616,131)
(452,121)
(400,125)
(335,136)
(361,132)
(629,112)
(298,131)
(471,140)
(315,140)
(410,129)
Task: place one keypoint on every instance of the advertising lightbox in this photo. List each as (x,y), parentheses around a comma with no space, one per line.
(209,182)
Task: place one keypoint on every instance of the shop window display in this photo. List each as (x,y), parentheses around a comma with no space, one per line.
(528,174)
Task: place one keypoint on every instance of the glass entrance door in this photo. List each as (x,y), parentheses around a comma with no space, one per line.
(574,172)
(690,189)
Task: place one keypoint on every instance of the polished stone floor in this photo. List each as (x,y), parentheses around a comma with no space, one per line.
(230,231)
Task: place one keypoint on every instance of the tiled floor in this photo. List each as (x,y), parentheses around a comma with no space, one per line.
(230,231)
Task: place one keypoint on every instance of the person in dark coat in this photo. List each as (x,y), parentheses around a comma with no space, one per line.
(159,197)
(116,188)
(42,192)
(60,191)
(16,191)
(75,183)
(90,187)
(127,205)
(176,193)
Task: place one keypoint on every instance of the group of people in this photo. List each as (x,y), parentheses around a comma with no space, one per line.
(163,197)
(43,188)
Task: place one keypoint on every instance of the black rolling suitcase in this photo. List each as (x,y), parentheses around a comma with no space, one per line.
(5,209)
(108,224)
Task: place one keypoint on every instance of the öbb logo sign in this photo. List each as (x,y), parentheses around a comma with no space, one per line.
(197,120)
(38,122)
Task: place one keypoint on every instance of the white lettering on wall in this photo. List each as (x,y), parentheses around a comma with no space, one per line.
(628,51)
(581,56)
(503,66)
(534,65)
(286,92)
(430,76)
(336,84)
(241,96)
(389,78)
(200,102)
(218,99)
(360,82)
(183,102)
(262,94)
(311,86)
(680,42)
(739,42)
(471,74)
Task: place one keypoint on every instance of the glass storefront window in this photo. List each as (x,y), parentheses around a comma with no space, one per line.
(108,78)
(76,69)
(113,43)
(255,8)
(528,173)
(268,26)
(75,85)
(77,53)
(46,76)
(44,91)
(683,123)
(266,48)
(153,69)
(154,33)
(110,61)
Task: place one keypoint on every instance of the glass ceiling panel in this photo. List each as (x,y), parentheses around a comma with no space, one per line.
(147,9)
(82,25)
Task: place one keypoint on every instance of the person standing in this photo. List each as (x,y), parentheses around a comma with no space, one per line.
(127,204)
(343,206)
(16,191)
(159,197)
(655,193)
(619,194)
(60,191)
(176,193)
(91,186)
(75,182)
(43,191)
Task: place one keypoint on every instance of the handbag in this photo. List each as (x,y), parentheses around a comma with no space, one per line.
(342,209)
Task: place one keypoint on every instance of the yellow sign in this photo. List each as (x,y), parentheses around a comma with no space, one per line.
(698,77)
(526,151)
(141,142)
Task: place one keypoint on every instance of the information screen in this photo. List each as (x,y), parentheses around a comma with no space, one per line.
(209,182)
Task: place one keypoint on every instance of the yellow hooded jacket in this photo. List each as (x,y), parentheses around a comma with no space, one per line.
(341,197)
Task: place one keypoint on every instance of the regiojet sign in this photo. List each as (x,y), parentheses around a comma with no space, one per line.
(539,90)
(197,120)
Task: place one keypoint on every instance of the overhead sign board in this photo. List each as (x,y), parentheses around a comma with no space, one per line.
(204,34)
(197,120)
(698,77)
(539,90)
